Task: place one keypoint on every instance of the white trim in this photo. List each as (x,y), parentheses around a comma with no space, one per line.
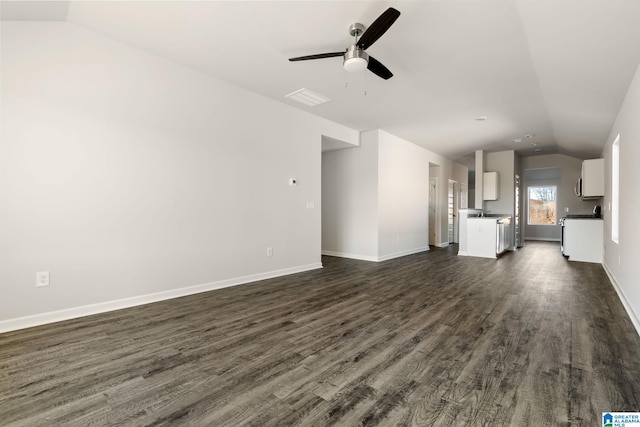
(632,315)
(374,258)
(541,239)
(102,307)
(403,253)
(351,256)
(463,253)
(442,245)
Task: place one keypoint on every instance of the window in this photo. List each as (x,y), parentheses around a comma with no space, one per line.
(542,205)
(615,190)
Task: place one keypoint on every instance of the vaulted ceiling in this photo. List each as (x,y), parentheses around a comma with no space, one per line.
(557,69)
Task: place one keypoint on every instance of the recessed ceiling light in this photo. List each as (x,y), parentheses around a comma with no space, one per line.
(533,144)
(481,118)
(537,150)
(517,140)
(530,135)
(307,97)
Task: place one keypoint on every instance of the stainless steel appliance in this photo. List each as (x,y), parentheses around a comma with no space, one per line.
(503,238)
(562,235)
(597,212)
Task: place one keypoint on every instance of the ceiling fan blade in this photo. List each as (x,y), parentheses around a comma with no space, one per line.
(318,56)
(378,69)
(378,28)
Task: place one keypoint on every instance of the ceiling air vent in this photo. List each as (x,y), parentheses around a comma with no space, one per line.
(307,97)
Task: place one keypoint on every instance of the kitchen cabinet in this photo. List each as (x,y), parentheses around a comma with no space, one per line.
(583,239)
(488,236)
(490,186)
(592,178)
(463,216)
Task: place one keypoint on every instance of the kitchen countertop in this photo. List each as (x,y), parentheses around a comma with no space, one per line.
(493,217)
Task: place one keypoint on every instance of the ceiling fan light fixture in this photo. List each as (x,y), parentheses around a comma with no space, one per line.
(353,65)
(355,59)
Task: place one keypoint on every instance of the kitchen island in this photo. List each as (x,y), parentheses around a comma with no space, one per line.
(488,236)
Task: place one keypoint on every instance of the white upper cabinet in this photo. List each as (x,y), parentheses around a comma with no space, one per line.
(593,178)
(490,186)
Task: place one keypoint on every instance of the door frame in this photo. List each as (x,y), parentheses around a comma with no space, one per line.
(433,221)
(456,208)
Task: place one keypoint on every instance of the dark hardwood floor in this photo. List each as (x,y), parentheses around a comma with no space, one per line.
(430,339)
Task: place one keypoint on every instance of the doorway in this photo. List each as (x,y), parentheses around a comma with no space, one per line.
(452,210)
(433,204)
(519,241)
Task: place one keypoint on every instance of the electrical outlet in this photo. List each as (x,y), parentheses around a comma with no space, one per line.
(269,251)
(42,279)
(311,205)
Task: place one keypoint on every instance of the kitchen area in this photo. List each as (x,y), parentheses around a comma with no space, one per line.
(552,197)
(582,234)
(493,226)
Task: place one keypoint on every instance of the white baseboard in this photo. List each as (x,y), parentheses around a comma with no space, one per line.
(375,258)
(403,253)
(632,315)
(102,307)
(441,245)
(541,239)
(350,256)
(463,253)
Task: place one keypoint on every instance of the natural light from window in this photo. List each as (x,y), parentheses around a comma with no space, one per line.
(615,190)
(542,205)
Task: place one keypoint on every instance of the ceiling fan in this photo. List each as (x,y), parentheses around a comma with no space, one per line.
(355,57)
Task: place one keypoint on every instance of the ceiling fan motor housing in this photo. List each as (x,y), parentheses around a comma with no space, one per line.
(355,59)
(356,29)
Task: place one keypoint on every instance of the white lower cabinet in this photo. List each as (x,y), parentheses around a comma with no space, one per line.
(488,237)
(583,240)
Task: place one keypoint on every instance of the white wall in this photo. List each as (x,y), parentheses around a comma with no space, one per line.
(621,260)
(403,201)
(446,169)
(350,200)
(127,175)
(502,162)
(375,197)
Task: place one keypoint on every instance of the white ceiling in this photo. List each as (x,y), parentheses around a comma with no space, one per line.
(556,68)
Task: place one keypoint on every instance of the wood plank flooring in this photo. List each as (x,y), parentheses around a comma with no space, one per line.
(430,339)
